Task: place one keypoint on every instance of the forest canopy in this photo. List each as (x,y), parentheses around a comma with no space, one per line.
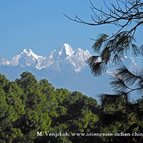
(33,111)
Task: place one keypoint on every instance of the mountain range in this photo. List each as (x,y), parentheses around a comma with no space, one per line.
(64,68)
(56,60)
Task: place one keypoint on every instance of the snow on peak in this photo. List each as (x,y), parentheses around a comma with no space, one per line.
(82,54)
(79,59)
(26,58)
(68,49)
(25,51)
(30,53)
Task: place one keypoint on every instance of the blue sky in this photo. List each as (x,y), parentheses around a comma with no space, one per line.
(41,26)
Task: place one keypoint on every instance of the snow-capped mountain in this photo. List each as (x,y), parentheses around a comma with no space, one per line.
(57,60)
(25,58)
(64,68)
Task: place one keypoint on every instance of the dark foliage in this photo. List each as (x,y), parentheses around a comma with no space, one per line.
(30,110)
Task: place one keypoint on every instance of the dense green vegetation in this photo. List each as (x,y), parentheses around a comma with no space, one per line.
(31,111)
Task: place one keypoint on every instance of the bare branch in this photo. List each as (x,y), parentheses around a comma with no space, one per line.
(124,14)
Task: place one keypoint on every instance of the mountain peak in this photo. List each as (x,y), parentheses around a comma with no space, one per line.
(68,49)
(30,53)
(27,51)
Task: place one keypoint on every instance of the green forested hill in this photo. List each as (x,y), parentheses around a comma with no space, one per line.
(34,111)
